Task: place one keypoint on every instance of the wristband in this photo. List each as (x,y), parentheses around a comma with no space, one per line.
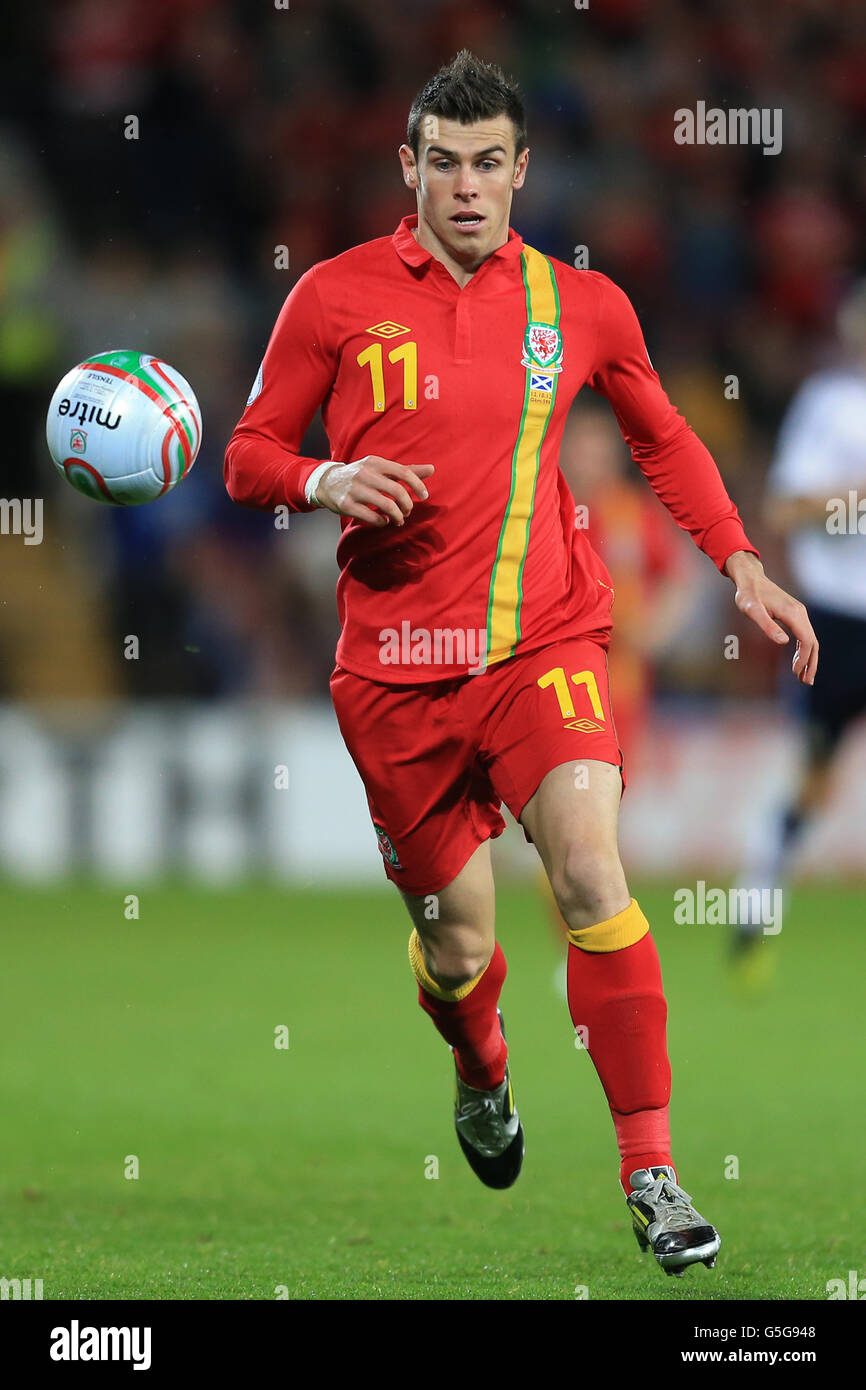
(313,482)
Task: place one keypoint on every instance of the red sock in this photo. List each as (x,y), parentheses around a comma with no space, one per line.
(617,997)
(471,1026)
(644,1142)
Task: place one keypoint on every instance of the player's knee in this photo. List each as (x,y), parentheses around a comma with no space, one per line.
(453,965)
(589,887)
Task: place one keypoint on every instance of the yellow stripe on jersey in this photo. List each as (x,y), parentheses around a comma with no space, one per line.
(506,581)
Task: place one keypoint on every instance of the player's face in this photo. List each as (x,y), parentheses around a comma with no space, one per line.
(464,177)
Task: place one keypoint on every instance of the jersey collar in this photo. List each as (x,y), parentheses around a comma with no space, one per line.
(409,250)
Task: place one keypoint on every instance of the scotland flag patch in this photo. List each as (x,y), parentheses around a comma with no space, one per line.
(540,383)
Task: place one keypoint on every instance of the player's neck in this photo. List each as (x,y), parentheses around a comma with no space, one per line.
(462,271)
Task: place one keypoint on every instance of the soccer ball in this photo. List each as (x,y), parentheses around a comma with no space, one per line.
(123,427)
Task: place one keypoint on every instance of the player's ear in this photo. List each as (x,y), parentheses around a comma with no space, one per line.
(520,169)
(410,168)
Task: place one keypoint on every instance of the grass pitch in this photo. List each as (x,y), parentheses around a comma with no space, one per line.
(265,1170)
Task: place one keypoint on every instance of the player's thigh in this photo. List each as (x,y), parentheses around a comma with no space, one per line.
(457,924)
(430,804)
(555,759)
(572,819)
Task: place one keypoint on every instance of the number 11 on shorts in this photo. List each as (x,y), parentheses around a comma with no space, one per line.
(557,678)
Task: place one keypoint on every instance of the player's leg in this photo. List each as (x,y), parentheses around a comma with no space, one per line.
(826,711)
(460,969)
(548,706)
(769,860)
(809,798)
(616,999)
(615,992)
(456,924)
(543,708)
(554,756)
(631,721)
(434,813)
(829,709)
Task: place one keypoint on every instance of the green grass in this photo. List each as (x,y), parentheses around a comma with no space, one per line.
(305,1167)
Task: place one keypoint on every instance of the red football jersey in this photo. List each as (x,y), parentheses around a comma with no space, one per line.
(478,381)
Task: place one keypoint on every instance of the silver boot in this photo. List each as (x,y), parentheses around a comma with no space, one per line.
(666,1222)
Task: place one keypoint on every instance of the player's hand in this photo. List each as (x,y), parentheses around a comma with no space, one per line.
(355,489)
(763,601)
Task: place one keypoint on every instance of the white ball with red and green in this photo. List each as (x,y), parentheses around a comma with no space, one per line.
(124,427)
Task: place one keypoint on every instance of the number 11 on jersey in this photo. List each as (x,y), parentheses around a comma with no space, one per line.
(407,353)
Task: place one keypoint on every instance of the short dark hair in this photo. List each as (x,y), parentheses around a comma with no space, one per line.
(468,90)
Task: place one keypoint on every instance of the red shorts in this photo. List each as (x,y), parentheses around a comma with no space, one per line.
(438,760)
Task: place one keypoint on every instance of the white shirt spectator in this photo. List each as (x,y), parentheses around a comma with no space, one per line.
(822,453)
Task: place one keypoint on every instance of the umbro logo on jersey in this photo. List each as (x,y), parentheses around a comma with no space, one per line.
(584,726)
(387,329)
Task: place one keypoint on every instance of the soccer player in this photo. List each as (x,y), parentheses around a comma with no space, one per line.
(471,666)
(816,488)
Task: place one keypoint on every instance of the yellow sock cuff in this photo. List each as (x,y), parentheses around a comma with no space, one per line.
(419,970)
(624,929)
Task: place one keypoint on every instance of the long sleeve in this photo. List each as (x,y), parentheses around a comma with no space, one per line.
(262,467)
(678,467)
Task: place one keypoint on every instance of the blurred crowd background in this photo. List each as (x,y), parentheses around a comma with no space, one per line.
(262,127)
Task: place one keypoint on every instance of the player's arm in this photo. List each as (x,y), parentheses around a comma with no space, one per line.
(683,474)
(263,466)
